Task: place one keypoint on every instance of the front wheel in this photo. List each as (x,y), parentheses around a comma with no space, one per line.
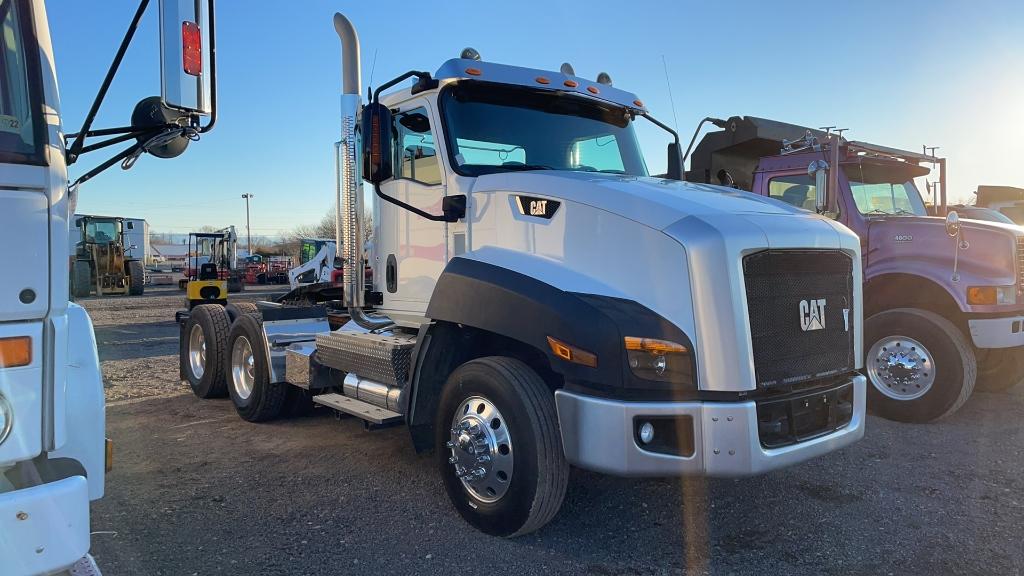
(1000,370)
(920,366)
(499,448)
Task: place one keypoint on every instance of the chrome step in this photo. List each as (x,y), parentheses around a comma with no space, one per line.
(358,408)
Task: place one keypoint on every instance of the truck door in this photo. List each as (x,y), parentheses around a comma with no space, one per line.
(413,250)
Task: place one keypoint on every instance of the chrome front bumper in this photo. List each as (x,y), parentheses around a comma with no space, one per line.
(997,332)
(599,434)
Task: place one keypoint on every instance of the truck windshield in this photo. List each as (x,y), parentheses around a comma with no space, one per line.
(19,140)
(884,190)
(500,129)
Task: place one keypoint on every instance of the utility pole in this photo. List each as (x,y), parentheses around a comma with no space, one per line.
(248,233)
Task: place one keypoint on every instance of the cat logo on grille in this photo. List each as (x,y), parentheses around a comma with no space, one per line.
(812,315)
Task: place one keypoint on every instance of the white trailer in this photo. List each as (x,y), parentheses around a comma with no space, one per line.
(539,301)
(53,454)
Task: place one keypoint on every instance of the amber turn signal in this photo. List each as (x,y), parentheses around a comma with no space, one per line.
(571,353)
(16,351)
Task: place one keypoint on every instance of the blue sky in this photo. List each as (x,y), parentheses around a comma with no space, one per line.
(902,74)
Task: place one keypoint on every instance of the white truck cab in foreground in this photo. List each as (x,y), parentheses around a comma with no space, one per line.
(538,300)
(53,454)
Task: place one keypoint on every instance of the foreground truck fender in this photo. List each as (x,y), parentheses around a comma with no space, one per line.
(53,454)
(538,301)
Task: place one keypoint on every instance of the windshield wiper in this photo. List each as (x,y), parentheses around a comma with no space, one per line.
(898,212)
(524,167)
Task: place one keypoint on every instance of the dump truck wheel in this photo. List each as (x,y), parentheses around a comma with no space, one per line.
(82,279)
(237,309)
(1000,370)
(919,365)
(246,364)
(499,448)
(202,351)
(136,277)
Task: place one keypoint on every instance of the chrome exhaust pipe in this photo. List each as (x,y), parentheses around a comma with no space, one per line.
(348,221)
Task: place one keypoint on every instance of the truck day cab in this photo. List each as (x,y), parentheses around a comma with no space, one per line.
(539,301)
(53,454)
(944,300)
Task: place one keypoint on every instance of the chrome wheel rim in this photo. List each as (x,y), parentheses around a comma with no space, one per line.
(243,368)
(197,352)
(901,368)
(481,449)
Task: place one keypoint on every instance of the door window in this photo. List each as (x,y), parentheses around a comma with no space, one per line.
(416,150)
(19,122)
(797,190)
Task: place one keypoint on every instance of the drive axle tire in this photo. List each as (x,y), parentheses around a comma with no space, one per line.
(239,309)
(499,448)
(82,279)
(136,277)
(248,373)
(1000,370)
(919,364)
(202,350)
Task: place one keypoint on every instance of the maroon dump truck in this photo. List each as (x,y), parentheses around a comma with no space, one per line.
(943,296)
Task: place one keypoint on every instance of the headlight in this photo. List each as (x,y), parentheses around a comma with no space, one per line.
(6,418)
(659,360)
(990,295)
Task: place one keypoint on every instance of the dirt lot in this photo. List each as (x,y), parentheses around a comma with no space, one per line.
(195,490)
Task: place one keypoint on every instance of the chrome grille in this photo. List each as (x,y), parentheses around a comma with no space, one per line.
(1020,265)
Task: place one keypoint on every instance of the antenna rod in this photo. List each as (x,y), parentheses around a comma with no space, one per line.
(671,99)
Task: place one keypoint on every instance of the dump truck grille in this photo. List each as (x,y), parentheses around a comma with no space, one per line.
(800,305)
(1020,265)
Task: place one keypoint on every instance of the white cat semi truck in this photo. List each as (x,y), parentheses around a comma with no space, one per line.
(538,300)
(53,454)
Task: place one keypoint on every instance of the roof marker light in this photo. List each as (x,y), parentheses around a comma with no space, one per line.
(593,90)
(473,71)
(571,83)
(638,103)
(542,80)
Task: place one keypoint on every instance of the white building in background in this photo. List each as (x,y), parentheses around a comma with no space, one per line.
(136,237)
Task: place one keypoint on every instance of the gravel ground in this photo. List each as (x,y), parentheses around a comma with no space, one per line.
(195,490)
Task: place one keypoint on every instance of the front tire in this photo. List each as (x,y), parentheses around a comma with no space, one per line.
(248,372)
(499,448)
(82,284)
(1000,370)
(202,353)
(136,277)
(920,366)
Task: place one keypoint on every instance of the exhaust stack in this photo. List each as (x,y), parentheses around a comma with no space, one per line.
(348,220)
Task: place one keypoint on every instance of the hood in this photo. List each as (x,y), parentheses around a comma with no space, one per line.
(989,258)
(655,202)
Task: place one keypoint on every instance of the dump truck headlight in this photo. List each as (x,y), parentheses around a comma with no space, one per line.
(989,295)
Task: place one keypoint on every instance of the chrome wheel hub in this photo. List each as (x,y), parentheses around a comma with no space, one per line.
(197,352)
(901,368)
(243,368)
(481,449)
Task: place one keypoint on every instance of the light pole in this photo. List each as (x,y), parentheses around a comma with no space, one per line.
(248,234)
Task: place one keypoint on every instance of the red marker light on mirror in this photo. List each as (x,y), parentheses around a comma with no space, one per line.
(191,49)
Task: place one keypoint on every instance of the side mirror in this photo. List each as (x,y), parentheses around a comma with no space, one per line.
(818,169)
(186,55)
(674,168)
(454,207)
(377,154)
(953,224)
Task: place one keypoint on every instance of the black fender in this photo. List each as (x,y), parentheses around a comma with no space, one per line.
(505,302)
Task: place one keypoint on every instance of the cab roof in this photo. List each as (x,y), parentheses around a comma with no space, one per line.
(534,78)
